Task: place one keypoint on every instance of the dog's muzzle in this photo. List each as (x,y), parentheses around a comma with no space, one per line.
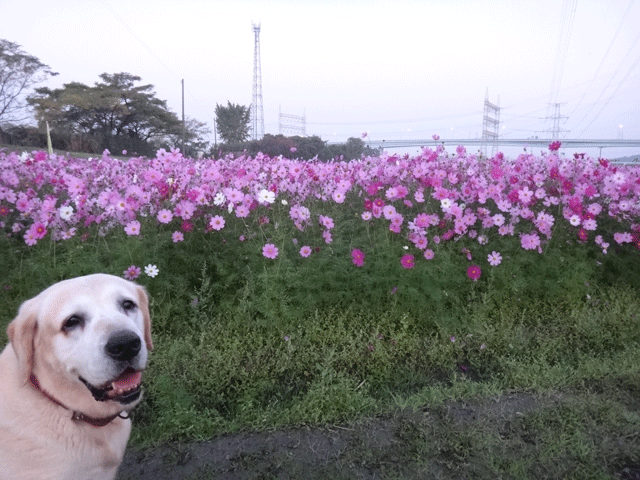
(122,347)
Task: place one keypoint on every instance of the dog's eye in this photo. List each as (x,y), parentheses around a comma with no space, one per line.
(128,305)
(73,322)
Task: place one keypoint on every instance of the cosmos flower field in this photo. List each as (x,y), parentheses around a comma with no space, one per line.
(449,215)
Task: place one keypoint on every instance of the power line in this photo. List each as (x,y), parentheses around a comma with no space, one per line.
(609,83)
(390,122)
(613,94)
(562,51)
(145,45)
(137,37)
(605,56)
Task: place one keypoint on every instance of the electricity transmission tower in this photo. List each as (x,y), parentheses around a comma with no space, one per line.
(555,129)
(257,110)
(490,125)
(293,124)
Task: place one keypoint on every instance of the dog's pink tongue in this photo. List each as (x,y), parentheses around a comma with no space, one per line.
(128,379)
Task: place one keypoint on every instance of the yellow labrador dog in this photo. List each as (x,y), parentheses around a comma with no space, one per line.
(68,378)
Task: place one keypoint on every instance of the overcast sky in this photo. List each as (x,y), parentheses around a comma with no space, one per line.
(400,69)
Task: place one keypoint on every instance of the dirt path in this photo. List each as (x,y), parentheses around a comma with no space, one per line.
(406,445)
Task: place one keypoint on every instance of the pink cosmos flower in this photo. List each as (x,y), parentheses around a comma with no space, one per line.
(474,272)
(389,211)
(408,261)
(428,254)
(165,216)
(422,220)
(589,224)
(396,219)
(270,251)
(530,241)
(177,237)
(66,235)
(132,272)
(421,242)
(132,228)
(30,238)
(494,258)
(338,196)
(357,257)
(620,237)
(525,195)
(242,211)
(326,222)
(305,251)
(217,222)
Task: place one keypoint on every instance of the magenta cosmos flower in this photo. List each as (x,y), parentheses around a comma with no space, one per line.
(474,272)
(270,251)
(408,261)
(357,257)
(132,272)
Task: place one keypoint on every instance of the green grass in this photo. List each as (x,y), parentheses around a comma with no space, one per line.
(223,375)
(238,349)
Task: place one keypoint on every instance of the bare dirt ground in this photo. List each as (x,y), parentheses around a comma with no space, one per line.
(409,445)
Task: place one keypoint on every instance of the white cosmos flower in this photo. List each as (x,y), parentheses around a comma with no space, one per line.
(151,270)
(219,199)
(266,196)
(445,204)
(66,212)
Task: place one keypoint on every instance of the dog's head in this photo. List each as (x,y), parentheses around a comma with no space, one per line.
(86,340)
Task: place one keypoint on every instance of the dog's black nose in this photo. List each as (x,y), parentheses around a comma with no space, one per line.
(123,345)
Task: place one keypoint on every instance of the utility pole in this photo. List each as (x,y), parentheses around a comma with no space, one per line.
(215,135)
(183,126)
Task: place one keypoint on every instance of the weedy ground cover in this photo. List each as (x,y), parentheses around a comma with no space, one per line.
(375,294)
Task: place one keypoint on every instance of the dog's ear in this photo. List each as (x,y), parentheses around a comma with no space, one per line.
(21,332)
(143,300)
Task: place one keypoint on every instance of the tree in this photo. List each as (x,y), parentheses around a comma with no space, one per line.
(116,111)
(195,138)
(19,71)
(232,122)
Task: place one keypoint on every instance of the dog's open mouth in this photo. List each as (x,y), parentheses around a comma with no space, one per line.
(124,389)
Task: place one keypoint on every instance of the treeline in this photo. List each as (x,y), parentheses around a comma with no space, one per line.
(120,114)
(299,147)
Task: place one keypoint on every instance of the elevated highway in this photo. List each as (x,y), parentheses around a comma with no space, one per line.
(504,142)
